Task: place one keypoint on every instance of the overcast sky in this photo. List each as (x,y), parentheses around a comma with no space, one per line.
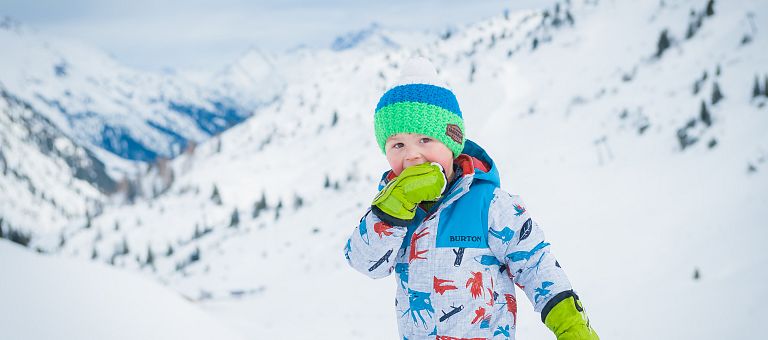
(204,34)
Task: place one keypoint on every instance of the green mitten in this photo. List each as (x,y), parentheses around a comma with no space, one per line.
(568,320)
(399,198)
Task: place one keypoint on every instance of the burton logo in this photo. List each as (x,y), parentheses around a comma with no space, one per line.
(465,238)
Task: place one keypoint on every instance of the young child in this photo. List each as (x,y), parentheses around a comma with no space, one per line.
(457,242)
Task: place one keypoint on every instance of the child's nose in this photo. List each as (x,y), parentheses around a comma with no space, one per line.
(412,154)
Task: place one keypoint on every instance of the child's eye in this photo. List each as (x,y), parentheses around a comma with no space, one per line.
(425,140)
(397,145)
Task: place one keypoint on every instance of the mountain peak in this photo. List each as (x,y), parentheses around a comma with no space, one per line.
(372,34)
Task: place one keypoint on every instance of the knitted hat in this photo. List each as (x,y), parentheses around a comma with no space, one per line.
(420,103)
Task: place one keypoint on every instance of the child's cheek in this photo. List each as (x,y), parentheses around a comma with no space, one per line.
(396,164)
(396,168)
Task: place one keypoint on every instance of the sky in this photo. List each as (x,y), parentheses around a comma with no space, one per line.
(159,35)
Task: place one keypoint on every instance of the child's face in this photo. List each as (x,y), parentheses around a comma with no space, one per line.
(407,149)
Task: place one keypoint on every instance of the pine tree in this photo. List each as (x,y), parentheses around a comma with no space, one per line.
(298,202)
(234,220)
(18,237)
(263,204)
(150,257)
(712,143)
(682,135)
(756,89)
(1,228)
(696,86)
(765,89)
(699,20)
(327,183)
(259,206)
(716,94)
(446,35)
(195,256)
(215,196)
(124,250)
(169,252)
(690,31)
(335,118)
(710,8)
(94,254)
(663,43)
(277,209)
(704,114)
(556,21)
(256,210)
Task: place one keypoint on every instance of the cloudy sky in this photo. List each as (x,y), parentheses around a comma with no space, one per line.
(203,34)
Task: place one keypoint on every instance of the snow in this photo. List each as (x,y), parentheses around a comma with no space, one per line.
(47,297)
(584,127)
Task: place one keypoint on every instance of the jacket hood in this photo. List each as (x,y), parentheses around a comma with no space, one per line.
(485,171)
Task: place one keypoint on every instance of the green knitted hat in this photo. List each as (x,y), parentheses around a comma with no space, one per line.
(417,105)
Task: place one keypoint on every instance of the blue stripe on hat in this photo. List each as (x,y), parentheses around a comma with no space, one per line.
(421,93)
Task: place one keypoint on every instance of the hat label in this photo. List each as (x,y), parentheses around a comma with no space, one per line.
(454,132)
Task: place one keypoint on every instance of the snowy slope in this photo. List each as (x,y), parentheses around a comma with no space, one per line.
(596,127)
(59,298)
(50,185)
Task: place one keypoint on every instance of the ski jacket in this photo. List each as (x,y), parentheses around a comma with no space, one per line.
(457,264)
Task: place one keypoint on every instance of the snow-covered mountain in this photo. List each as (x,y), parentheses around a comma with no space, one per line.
(376,38)
(80,130)
(635,131)
(109,107)
(252,80)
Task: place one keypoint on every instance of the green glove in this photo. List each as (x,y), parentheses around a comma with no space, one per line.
(569,321)
(399,198)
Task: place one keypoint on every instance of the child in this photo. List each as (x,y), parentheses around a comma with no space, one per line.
(457,243)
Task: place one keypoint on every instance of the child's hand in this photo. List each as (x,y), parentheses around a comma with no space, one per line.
(423,182)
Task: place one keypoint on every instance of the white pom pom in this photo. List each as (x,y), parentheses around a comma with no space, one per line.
(419,71)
